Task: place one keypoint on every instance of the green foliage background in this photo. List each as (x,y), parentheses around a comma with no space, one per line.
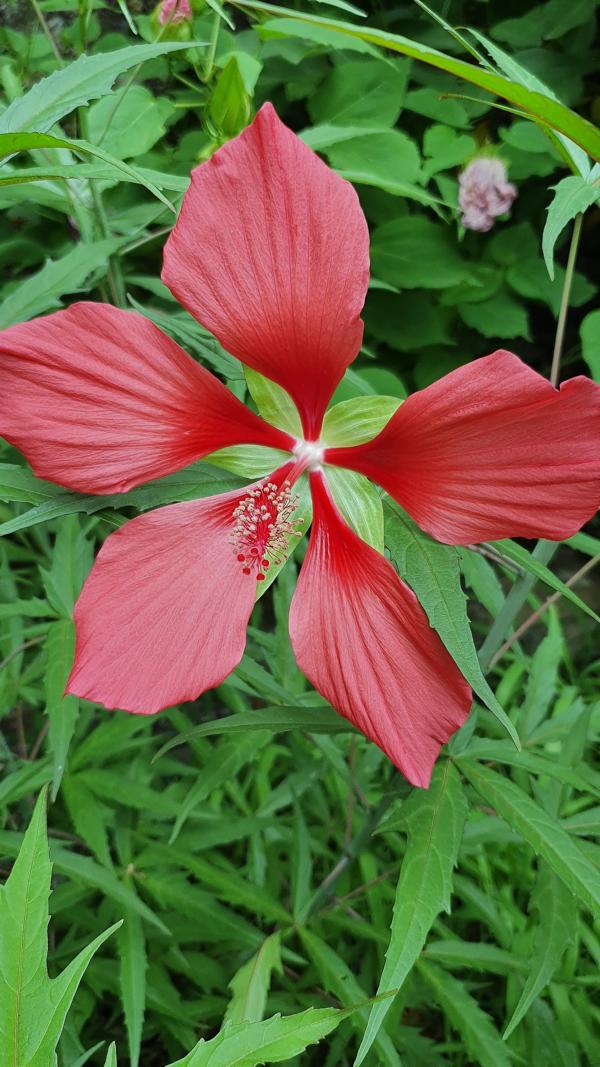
(260,856)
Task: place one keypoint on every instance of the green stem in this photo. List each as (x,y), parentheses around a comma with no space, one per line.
(564,302)
(212,47)
(47,32)
(114,274)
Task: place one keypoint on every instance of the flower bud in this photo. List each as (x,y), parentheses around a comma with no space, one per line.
(174,11)
(484,193)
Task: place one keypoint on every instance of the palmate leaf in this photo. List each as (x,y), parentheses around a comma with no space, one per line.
(433,572)
(88,78)
(434,820)
(273,1041)
(543,832)
(33,1007)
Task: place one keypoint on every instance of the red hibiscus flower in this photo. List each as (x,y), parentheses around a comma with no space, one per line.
(270,253)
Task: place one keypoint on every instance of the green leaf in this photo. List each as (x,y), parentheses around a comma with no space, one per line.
(482,1041)
(434,820)
(433,572)
(382,84)
(277,1039)
(128,122)
(540,105)
(544,833)
(338,978)
(111,1056)
(572,196)
(33,1007)
(42,290)
(590,342)
(250,984)
(354,421)
(532,762)
(279,720)
(529,563)
(360,504)
(413,252)
(62,711)
(132,974)
(556,930)
(88,78)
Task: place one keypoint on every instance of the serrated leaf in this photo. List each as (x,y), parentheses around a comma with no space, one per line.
(482,1041)
(132,980)
(572,196)
(433,572)
(279,1038)
(88,78)
(33,1007)
(434,820)
(250,984)
(544,833)
(556,930)
(43,290)
(62,711)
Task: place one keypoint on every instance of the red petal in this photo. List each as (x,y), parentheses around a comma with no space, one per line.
(363,640)
(490,451)
(163,614)
(271,254)
(100,400)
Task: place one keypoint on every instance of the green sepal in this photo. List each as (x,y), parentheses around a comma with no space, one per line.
(273,403)
(360,504)
(360,419)
(250,461)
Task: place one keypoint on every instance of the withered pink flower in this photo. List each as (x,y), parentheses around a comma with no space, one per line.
(174,11)
(484,193)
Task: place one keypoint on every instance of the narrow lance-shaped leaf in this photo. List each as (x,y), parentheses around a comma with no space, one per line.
(132,954)
(433,572)
(538,104)
(250,985)
(556,929)
(434,820)
(62,711)
(33,1007)
(544,833)
(481,1039)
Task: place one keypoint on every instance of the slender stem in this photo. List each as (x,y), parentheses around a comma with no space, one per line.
(564,302)
(535,615)
(47,32)
(212,47)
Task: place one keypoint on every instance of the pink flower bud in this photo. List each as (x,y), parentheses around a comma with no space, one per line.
(484,193)
(173,11)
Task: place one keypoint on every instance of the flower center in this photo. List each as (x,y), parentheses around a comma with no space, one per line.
(309,454)
(263,525)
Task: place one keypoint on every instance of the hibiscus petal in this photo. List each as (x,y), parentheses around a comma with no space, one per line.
(163,613)
(100,400)
(363,640)
(271,254)
(490,451)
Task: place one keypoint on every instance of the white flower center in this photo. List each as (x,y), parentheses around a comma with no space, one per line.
(309,454)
